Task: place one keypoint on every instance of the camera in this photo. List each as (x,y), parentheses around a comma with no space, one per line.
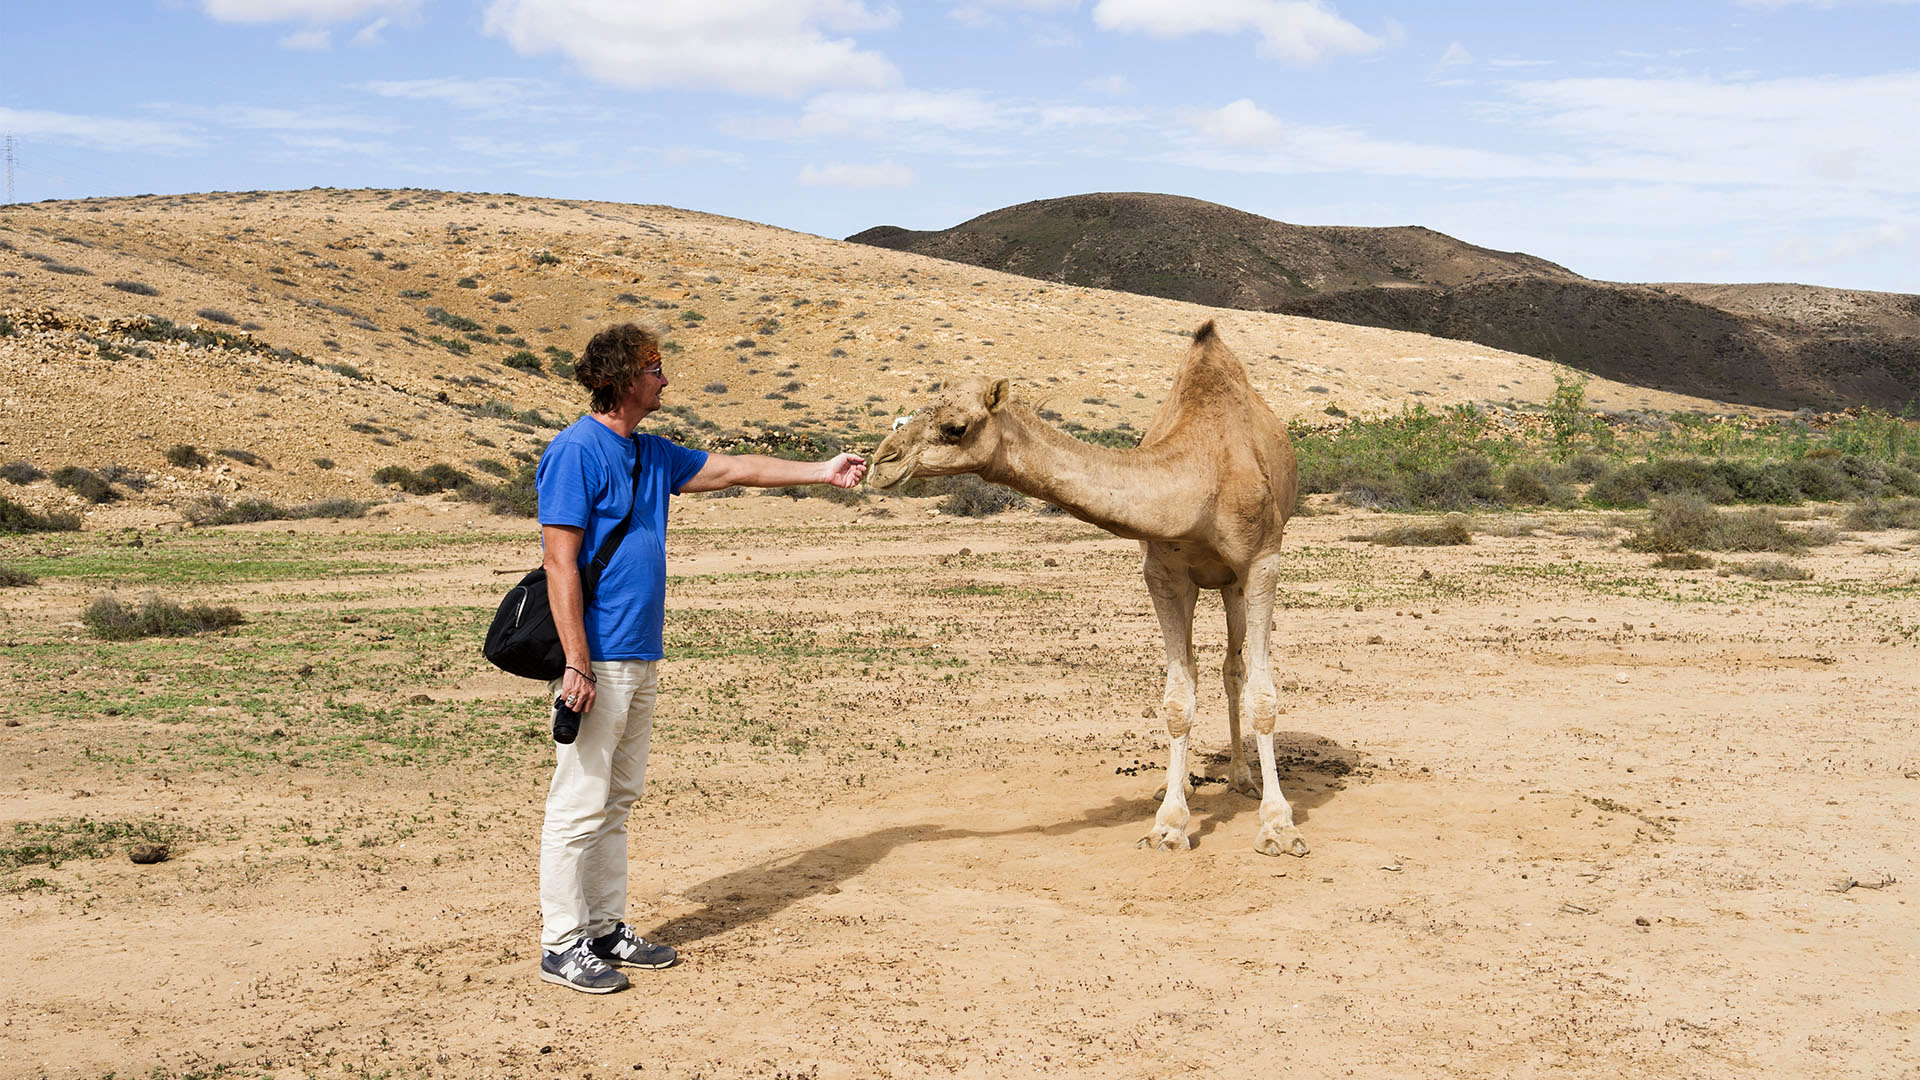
(566,721)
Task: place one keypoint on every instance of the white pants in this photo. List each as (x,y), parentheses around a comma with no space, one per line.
(596,780)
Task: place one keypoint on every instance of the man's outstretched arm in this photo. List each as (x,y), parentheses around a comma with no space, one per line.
(755,470)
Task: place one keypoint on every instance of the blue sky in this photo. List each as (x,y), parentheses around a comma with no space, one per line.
(1690,140)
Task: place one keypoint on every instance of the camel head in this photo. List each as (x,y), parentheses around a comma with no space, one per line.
(957,432)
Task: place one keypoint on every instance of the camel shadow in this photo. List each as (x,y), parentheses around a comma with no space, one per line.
(1310,772)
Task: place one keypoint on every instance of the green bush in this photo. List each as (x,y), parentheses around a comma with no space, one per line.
(514,497)
(184,456)
(523,360)
(138,288)
(215,315)
(451,321)
(85,483)
(15,518)
(157,616)
(13,579)
(21,472)
(428,481)
(215,510)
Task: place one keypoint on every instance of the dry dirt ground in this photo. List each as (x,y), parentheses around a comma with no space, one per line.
(1570,815)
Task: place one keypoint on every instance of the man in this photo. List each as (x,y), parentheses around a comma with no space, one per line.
(586,486)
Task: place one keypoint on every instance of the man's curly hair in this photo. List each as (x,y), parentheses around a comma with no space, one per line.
(612,361)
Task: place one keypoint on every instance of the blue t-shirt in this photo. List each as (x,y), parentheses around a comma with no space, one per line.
(585,480)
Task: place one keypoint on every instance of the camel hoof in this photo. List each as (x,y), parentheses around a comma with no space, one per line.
(1248,787)
(1281,841)
(1165,839)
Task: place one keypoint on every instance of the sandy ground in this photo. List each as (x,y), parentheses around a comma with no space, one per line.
(1570,816)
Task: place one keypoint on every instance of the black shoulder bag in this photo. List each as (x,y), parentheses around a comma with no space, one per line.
(523,639)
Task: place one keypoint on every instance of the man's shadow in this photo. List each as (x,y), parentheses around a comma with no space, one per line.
(1310,774)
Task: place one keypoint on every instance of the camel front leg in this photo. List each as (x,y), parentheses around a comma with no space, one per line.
(1173,595)
(1261,702)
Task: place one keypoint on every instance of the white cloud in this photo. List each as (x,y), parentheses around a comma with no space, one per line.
(371,34)
(1455,56)
(313,11)
(875,115)
(883,175)
(1111,85)
(1242,124)
(776,48)
(262,118)
(314,40)
(97,132)
(1297,31)
(489,93)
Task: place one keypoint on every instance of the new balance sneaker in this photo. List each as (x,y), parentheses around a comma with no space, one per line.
(580,969)
(624,947)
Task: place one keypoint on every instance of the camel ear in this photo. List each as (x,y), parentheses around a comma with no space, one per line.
(998,394)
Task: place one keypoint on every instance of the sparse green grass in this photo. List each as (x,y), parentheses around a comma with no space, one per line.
(60,840)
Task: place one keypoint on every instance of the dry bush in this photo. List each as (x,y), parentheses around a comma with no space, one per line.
(1447,532)
(11,578)
(1768,570)
(1686,522)
(157,616)
(1686,560)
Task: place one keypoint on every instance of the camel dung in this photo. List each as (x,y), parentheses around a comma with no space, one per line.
(147,854)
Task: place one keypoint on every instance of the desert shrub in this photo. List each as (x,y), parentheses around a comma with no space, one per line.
(1769,570)
(1685,522)
(124,475)
(428,481)
(1537,483)
(245,457)
(11,578)
(156,616)
(546,258)
(522,360)
(65,268)
(414,294)
(85,483)
(15,518)
(451,321)
(215,315)
(323,462)
(137,288)
(973,497)
(21,472)
(466,283)
(6,326)
(184,456)
(1877,516)
(495,468)
(1447,532)
(342,368)
(1461,484)
(215,510)
(715,388)
(1684,560)
(514,497)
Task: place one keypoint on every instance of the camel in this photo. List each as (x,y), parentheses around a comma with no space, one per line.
(1207,493)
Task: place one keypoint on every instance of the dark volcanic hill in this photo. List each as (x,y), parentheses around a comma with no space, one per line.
(1783,346)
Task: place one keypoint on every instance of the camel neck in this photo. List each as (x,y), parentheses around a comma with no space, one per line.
(1114,489)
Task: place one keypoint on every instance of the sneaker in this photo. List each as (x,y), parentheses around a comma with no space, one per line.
(580,969)
(624,947)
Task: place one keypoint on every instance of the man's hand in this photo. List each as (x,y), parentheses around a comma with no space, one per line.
(846,470)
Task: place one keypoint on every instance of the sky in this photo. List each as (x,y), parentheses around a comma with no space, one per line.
(1684,140)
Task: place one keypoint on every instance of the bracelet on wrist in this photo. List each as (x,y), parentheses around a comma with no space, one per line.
(587,675)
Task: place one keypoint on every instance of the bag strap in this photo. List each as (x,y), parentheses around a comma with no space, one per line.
(612,542)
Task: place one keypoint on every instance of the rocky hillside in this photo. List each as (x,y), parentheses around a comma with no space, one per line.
(292,344)
(1777,346)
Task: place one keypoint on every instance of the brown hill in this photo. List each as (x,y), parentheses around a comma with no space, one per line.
(1186,249)
(299,341)
(1777,346)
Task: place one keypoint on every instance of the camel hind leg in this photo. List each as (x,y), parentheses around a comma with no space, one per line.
(1174,594)
(1234,674)
(1262,704)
